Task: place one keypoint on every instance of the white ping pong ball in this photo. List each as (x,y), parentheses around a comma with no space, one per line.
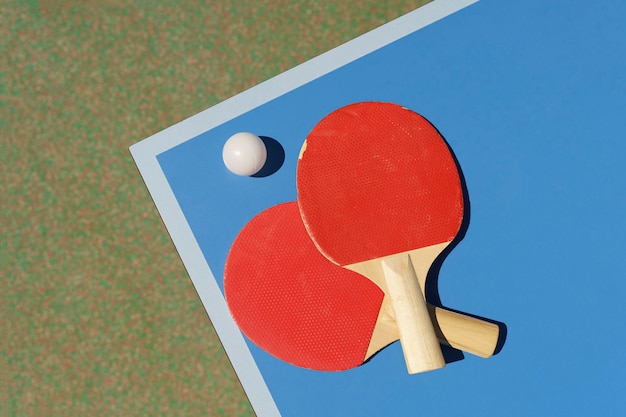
(244,154)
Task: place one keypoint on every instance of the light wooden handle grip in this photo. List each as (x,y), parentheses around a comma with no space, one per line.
(463,332)
(417,334)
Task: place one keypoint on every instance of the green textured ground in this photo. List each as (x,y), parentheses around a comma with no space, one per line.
(98,315)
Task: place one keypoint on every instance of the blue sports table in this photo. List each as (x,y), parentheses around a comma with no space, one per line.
(531,96)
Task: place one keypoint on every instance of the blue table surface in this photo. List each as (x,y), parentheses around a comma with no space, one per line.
(531,96)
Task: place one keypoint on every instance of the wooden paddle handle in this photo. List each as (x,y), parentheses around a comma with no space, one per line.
(417,335)
(463,332)
(458,330)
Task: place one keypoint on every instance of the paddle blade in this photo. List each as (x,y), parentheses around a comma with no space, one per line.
(291,302)
(376,179)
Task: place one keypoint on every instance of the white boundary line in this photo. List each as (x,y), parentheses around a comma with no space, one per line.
(145,152)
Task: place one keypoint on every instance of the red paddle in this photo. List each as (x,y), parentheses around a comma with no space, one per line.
(296,305)
(377,183)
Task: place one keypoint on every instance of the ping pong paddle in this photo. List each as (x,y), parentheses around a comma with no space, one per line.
(296,305)
(379,190)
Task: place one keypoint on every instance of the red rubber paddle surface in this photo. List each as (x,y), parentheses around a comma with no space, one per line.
(376,179)
(291,302)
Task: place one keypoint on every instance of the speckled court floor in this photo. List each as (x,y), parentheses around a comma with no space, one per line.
(98,315)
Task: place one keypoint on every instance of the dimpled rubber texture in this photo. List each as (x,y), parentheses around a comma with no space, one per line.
(376,179)
(291,301)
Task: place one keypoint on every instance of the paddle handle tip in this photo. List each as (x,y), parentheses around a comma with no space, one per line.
(466,333)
